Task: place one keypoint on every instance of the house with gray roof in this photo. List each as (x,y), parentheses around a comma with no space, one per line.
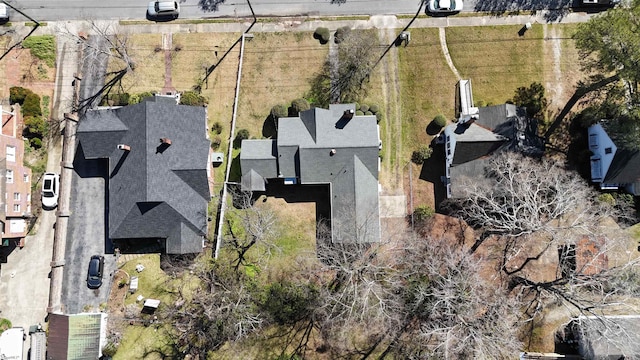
(159,167)
(333,147)
(613,167)
(76,336)
(605,337)
(471,141)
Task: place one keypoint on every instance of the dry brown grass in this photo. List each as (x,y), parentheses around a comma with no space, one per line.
(149,71)
(427,87)
(278,68)
(426,90)
(562,69)
(198,52)
(4,87)
(496,59)
(34,70)
(297,236)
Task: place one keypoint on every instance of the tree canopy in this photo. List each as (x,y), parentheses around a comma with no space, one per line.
(609,44)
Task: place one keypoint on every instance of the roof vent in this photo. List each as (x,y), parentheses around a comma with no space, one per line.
(165,141)
(124,147)
(332,152)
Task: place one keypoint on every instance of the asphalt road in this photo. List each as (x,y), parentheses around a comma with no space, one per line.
(55,10)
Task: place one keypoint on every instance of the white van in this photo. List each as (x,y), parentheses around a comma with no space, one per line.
(164,9)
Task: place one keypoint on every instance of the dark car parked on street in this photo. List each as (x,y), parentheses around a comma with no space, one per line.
(94,275)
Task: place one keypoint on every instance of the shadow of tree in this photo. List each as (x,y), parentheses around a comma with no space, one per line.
(320,39)
(557,9)
(269,128)
(210,5)
(433,171)
(581,90)
(235,172)
(433,129)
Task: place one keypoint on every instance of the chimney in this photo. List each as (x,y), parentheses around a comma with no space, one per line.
(165,141)
(124,147)
(348,114)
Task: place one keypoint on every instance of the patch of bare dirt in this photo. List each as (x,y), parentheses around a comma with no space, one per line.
(562,66)
(117,294)
(418,191)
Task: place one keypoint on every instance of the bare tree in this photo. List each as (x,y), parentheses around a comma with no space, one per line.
(413,298)
(604,336)
(522,196)
(452,310)
(359,303)
(105,45)
(346,71)
(248,227)
(529,210)
(220,309)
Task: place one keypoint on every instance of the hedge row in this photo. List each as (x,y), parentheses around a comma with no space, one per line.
(35,127)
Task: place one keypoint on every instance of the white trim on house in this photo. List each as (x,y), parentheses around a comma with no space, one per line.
(603,151)
(449,149)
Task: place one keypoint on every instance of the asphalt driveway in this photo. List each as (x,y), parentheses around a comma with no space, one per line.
(86,236)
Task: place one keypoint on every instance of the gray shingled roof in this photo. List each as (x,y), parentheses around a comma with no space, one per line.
(608,337)
(259,157)
(498,128)
(304,151)
(624,168)
(153,192)
(354,195)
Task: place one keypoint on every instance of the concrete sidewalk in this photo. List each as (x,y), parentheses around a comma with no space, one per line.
(374,22)
(311,23)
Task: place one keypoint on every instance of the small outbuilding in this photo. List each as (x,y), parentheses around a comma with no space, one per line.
(150,306)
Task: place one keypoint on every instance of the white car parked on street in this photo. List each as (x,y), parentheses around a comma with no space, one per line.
(50,190)
(444,6)
(163,9)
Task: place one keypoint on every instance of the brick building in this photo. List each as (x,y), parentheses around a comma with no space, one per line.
(15,179)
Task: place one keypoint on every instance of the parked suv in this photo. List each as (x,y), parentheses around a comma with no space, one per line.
(163,9)
(50,189)
(94,274)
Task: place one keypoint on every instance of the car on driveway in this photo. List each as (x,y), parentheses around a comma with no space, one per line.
(163,10)
(50,189)
(94,274)
(444,6)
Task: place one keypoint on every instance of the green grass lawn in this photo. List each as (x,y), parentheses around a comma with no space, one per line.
(139,342)
(151,281)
